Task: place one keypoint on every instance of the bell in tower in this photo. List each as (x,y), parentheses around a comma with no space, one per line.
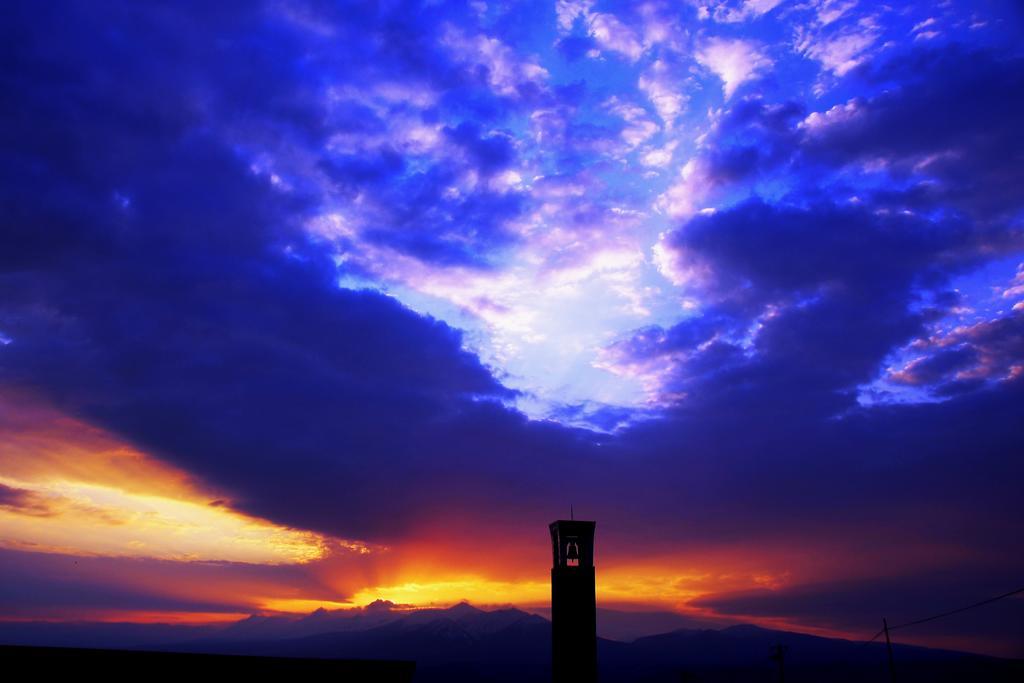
(573,602)
(573,555)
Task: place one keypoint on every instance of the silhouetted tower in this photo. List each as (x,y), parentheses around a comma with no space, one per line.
(573,603)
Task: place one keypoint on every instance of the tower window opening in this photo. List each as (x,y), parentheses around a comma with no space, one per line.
(572,555)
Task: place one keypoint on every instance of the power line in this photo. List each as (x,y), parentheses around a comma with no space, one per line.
(873,638)
(956,611)
(943,614)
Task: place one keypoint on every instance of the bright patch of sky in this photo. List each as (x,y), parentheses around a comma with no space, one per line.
(585,140)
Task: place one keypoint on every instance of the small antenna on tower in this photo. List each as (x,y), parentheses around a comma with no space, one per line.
(571,514)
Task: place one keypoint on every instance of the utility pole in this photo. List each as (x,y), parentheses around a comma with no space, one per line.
(888,646)
(779,655)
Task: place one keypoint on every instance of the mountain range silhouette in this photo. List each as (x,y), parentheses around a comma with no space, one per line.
(464,643)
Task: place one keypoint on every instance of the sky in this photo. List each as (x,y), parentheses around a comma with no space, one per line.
(308,304)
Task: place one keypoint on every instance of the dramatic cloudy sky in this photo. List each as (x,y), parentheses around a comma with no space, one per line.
(307,304)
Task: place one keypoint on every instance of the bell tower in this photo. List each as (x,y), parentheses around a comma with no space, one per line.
(573,602)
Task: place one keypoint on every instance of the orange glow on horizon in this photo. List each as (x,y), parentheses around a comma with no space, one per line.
(72,489)
(77,518)
(134,522)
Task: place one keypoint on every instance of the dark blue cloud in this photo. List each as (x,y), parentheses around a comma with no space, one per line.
(848,263)
(754,138)
(811,302)
(965,160)
(491,151)
(353,171)
(968,357)
(807,294)
(237,359)
(970,152)
(935,368)
(426,220)
(288,78)
(760,250)
(155,285)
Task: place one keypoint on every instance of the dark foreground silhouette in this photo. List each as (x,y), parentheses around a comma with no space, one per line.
(59,663)
(463,643)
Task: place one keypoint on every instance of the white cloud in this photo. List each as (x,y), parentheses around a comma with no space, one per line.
(609,32)
(506,71)
(639,128)
(921,25)
(733,60)
(612,34)
(568,10)
(660,156)
(660,86)
(840,113)
(682,199)
(730,12)
(829,11)
(838,53)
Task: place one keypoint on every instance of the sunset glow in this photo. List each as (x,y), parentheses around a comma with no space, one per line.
(75,518)
(71,489)
(315,305)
